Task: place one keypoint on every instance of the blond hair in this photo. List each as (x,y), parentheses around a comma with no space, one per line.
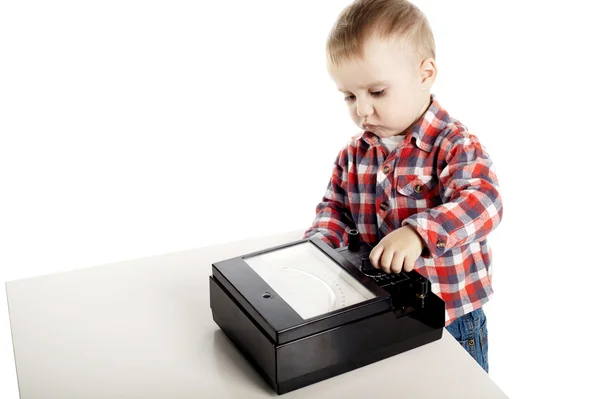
(385,19)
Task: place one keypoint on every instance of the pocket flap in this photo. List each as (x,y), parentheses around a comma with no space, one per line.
(415,186)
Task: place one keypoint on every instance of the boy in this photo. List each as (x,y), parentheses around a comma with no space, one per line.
(415,181)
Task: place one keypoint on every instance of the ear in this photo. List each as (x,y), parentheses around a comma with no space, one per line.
(427,73)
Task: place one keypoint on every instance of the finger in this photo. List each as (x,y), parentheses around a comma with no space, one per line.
(374,256)
(397,262)
(386,259)
(409,263)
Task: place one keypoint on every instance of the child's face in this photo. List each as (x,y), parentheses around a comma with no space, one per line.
(386,91)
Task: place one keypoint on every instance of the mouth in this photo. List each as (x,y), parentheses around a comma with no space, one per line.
(369,128)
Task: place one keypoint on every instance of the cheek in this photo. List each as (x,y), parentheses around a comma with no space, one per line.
(389,110)
(396,108)
(352,112)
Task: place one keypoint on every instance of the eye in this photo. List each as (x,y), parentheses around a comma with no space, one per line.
(378,93)
(349,98)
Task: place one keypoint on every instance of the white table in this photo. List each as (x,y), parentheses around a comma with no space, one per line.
(144,329)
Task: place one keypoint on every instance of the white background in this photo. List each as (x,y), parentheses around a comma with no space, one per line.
(131,129)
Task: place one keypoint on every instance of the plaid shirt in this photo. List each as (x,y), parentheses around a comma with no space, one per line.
(441,181)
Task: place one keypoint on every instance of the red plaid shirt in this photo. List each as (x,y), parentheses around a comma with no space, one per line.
(440,180)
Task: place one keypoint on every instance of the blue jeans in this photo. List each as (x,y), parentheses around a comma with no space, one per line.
(470,331)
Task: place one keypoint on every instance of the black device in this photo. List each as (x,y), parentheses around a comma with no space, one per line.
(303,312)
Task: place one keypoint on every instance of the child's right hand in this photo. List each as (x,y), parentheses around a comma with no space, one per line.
(397,251)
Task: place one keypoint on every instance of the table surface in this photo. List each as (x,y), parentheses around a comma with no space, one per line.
(144,329)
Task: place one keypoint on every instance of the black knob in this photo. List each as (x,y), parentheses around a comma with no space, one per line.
(422,289)
(353,240)
(421,286)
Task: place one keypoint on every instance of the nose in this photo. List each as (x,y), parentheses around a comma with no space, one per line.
(363,108)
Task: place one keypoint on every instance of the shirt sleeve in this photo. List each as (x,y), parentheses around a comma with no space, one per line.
(333,218)
(471,203)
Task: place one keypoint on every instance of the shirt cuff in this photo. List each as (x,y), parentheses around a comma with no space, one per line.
(436,240)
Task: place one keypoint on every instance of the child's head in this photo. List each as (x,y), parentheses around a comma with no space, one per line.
(381,55)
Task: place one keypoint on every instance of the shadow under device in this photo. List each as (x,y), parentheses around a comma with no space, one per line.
(303,312)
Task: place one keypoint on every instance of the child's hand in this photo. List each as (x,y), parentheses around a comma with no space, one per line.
(398,250)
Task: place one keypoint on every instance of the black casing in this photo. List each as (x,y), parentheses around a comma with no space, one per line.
(314,350)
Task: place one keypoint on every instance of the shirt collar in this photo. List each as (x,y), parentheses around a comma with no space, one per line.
(425,130)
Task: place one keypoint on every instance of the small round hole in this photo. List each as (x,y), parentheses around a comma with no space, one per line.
(266,295)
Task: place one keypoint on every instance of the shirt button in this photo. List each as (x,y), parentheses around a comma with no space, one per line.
(386,169)
(383,206)
(440,245)
(471,342)
(418,188)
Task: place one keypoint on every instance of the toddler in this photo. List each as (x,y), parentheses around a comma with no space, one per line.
(415,182)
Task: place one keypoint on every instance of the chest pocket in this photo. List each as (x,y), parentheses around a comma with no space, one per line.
(418,186)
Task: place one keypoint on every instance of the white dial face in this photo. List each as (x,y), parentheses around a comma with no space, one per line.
(308,280)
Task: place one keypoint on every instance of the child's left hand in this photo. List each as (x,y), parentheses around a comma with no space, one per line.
(397,251)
